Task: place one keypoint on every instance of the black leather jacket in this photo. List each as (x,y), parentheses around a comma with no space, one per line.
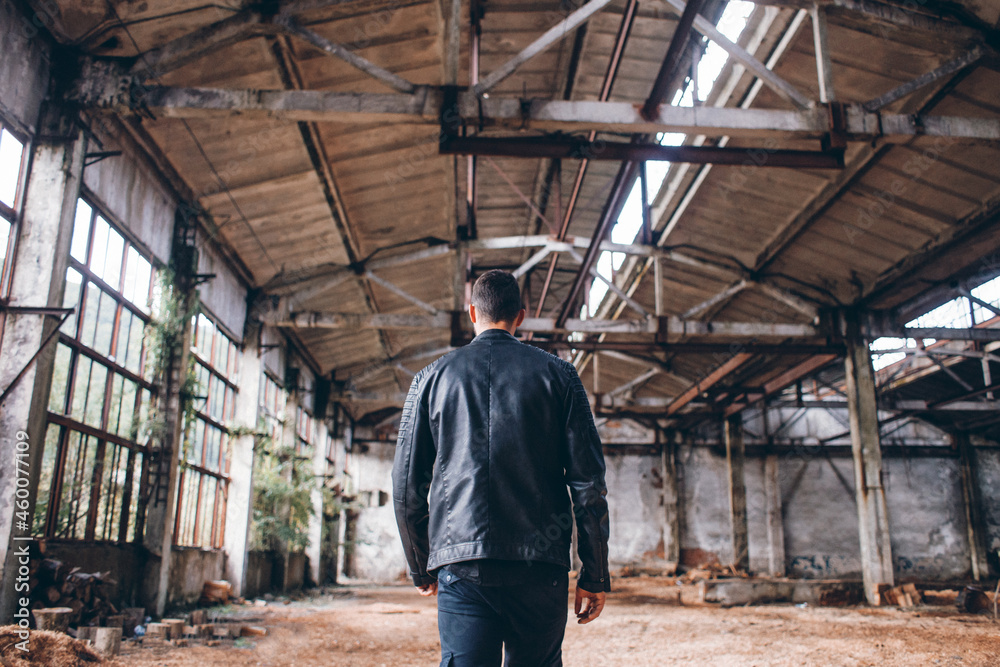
(490,437)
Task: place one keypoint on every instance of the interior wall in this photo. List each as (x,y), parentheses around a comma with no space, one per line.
(190,568)
(24,68)
(378,554)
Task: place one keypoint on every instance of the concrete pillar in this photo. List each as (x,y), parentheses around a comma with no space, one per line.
(239,503)
(671,532)
(289,436)
(161,511)
(735,464)
(972,497)
(773,517)
(38,281)
(315,548)
(873,517)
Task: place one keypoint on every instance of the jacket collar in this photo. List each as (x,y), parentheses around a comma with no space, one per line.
(492,335)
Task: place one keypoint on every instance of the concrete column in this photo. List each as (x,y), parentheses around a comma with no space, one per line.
(38,280)
(239,505)
(735,464)
(873,517)
(972,497)
(162,510)
(671,531)
(288,440)
(773,517)
(315,549)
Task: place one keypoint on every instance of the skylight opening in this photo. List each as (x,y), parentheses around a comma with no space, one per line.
(959,313)
(629,222)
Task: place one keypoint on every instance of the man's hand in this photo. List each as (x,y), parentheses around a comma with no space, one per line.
(428,590)
(588,605)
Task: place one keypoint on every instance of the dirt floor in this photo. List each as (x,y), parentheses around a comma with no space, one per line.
(642,625)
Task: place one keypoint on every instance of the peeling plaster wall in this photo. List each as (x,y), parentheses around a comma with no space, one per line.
(704,506)
(988,473)
(24,68)
(635,506)
(820,517)
(927,519)
(224,295)
(130,191)
(378,552)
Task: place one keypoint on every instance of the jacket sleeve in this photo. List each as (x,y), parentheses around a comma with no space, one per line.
(412,470)
(585,478)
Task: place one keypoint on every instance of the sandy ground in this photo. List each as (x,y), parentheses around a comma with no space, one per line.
(642,625)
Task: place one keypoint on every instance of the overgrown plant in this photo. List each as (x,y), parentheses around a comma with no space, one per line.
(164,338)
(282,501)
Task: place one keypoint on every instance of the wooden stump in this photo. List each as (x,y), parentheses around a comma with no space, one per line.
(107,641)
(115,621)
(175,627)
(85,633)
(198,617)
(157,631)
(53,618)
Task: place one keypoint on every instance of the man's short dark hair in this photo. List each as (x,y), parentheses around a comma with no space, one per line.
(496,296)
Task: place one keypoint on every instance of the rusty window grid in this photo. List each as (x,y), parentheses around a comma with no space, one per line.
(10,212)
(271,405)
(204,474)
(93,455)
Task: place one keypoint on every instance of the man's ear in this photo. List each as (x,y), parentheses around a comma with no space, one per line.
(472,313)
(519,319)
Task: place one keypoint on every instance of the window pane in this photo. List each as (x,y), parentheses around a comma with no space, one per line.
(113,260)
(60,377)
(100,252)
(95,395)
(71,299)
(10,167)
(136,476)
(114,409)
(105,324)
(143,273)
(75,497)
(81,231)
(134,356)
(49,455)
(121,345)
(4,240)
(80,382)
(90,308)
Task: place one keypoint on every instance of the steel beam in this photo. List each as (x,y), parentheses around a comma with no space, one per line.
(713,301)
(709,381)
(550,37)
(424,107)
(668,329)
(292,27)
(767,77)
(824,71)
(194,45)
(672,60)
(568,148)
(947,69)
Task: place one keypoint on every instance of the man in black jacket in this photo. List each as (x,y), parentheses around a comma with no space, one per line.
(491,436)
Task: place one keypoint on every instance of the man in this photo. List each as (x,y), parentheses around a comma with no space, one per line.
(490,437)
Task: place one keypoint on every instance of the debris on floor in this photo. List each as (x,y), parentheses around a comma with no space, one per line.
(53,649)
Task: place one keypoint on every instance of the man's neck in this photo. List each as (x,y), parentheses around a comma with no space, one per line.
(494,326)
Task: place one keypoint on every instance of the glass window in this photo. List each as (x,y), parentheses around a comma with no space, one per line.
(201,502)
(11,160)
(100,394)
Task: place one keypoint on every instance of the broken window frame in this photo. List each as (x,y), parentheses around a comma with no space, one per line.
(85,450)
(203,484)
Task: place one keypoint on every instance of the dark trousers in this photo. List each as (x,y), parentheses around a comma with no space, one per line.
(527,620)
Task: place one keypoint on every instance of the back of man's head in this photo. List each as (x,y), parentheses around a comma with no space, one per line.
(497,297)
